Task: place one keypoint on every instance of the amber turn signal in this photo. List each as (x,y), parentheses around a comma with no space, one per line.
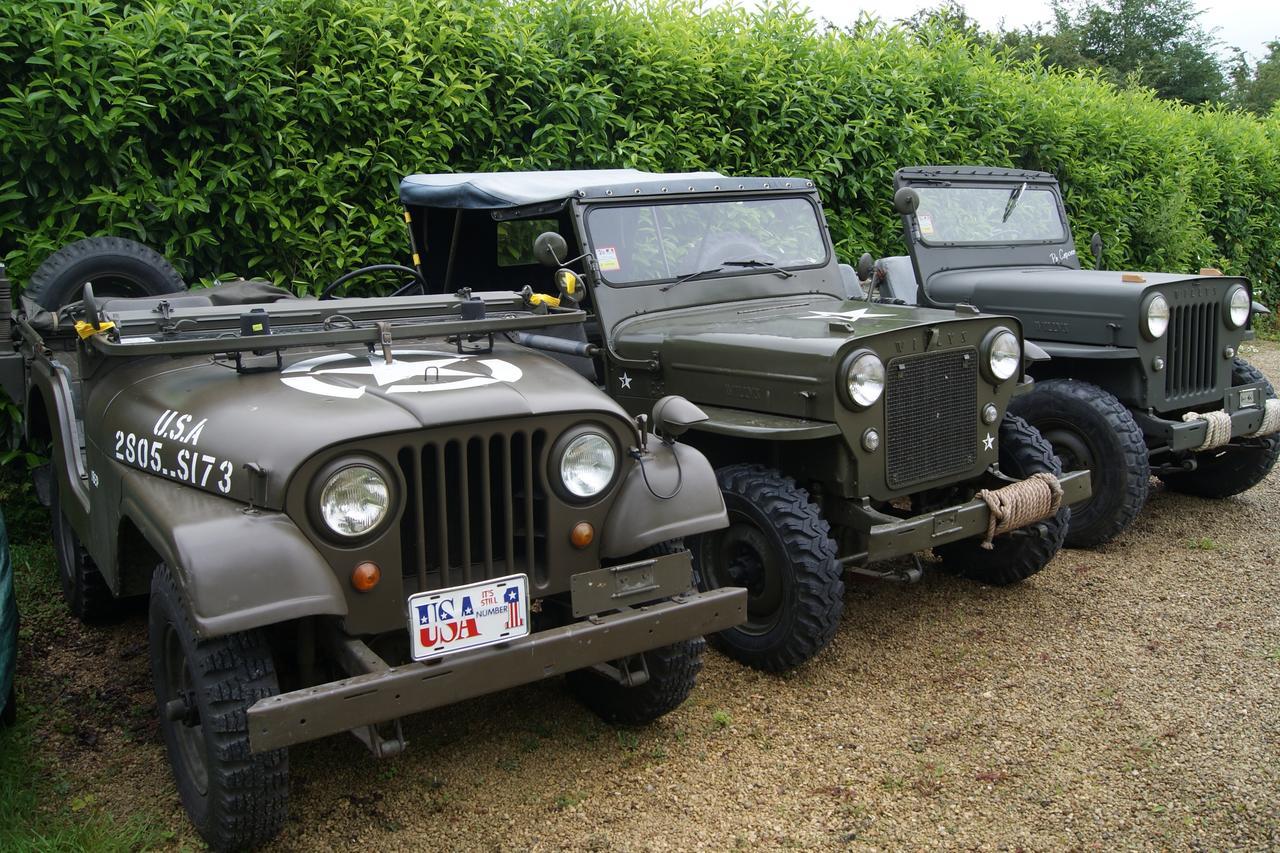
(582,534)
(365,576)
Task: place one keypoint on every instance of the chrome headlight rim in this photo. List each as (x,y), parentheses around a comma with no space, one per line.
(555,462)
(1230,308)
(326,477)
(1157,331)
(988,353)
(850,364)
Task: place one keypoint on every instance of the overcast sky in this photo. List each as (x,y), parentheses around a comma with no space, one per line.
(1247,24)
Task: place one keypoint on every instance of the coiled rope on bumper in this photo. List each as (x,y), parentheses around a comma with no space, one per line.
(1019,504)
(1270,418)
(1217,431)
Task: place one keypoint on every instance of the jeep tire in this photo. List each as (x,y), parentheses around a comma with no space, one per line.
(115,266)
(779,547)
(1019,554)
(673,673)
(204,689)
(1240,465)
(1089,428)
(84,589)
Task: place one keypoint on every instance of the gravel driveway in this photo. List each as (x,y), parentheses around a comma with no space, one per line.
(1124,697)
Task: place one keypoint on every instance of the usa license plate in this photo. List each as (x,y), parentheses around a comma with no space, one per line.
(445,621)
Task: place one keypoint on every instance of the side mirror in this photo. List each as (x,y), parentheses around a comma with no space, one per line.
(673,415)
(866,265)
(550,249)
(1095,247)
(906,200)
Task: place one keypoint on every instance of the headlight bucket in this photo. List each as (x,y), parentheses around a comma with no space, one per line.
(861,379)
(1001,355)
(352,499)
(584,464)
(1155,317)
(1238,305)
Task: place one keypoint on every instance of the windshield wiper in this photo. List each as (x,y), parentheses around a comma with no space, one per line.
(690,276)
(1014,198)
(763,265)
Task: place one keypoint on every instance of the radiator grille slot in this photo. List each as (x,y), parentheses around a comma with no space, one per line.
(931,416)
(1193,350)
(476,508)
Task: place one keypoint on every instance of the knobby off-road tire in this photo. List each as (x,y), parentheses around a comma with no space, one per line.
(1238,467)
(673,673)
(84,589)
(204,689)
(1089,428)
(116,266)
(779,547)
(1017,555)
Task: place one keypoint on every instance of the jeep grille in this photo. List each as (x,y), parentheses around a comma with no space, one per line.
(931,416)
(1193,351)
(475,507)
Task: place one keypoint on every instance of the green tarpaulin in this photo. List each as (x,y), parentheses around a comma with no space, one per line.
(8,619)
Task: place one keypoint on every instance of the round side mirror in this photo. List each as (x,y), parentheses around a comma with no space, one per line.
(906,200)
(866,264)
(673,415)
(550,249)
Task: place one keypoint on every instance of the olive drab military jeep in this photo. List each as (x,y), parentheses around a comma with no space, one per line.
(844,433)
(1145,375)
(346,511)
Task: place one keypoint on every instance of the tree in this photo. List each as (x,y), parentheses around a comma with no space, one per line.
(1257,88)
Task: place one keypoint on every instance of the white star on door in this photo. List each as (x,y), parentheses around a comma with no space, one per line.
(844,316)
(988,442)
(624,382)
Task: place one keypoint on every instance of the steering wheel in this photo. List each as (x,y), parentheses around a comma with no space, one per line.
(416,279)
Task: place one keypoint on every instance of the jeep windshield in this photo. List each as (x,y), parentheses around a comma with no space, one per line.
(646,243)
(981,215)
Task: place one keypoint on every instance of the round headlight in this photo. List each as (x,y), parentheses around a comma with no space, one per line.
(1003,354)
(587,465)
(865,379)
(1156,318)
(355,500)
(1238,307)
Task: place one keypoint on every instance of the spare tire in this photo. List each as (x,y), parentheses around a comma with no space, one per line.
(115,266)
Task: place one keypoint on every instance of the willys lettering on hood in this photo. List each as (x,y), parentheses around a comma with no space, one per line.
(275,420)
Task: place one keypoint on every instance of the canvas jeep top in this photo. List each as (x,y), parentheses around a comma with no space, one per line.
(844,432)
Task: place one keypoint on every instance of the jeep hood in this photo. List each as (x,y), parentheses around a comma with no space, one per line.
(1060,304)
(278,419)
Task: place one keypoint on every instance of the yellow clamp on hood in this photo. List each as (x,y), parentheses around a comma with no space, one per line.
(544,299)
(87,330)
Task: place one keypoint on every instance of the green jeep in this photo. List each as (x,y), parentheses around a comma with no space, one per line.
(347,511)
(844,433)
(1145,376)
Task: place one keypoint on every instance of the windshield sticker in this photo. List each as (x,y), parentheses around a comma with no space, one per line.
(607,257)
(926,224)
(411,372)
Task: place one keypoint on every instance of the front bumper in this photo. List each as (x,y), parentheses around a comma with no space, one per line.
(1177,435)
(888,537)
(339,706)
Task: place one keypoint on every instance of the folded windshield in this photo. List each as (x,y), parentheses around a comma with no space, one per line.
(696,240)
(1014,214)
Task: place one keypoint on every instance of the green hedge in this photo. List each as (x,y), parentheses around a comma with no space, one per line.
(267,136)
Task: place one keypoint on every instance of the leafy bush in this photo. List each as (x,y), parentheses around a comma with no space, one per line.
(267,136)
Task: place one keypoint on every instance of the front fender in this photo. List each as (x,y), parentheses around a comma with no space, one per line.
(236,568)
(680,498)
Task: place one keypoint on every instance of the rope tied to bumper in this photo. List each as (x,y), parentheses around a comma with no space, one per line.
(1217,431)
(1270,418)
(1019,504)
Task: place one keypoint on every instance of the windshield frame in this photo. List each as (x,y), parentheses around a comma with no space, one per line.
(589,246)
(918,236)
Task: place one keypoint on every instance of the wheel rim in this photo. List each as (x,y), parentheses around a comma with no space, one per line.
(117,283)
(1069,445)
(744,555)
(188,731)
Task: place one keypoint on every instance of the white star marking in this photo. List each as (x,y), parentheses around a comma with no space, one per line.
(305,375)
(844,316)
(988,442)
(624,381)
